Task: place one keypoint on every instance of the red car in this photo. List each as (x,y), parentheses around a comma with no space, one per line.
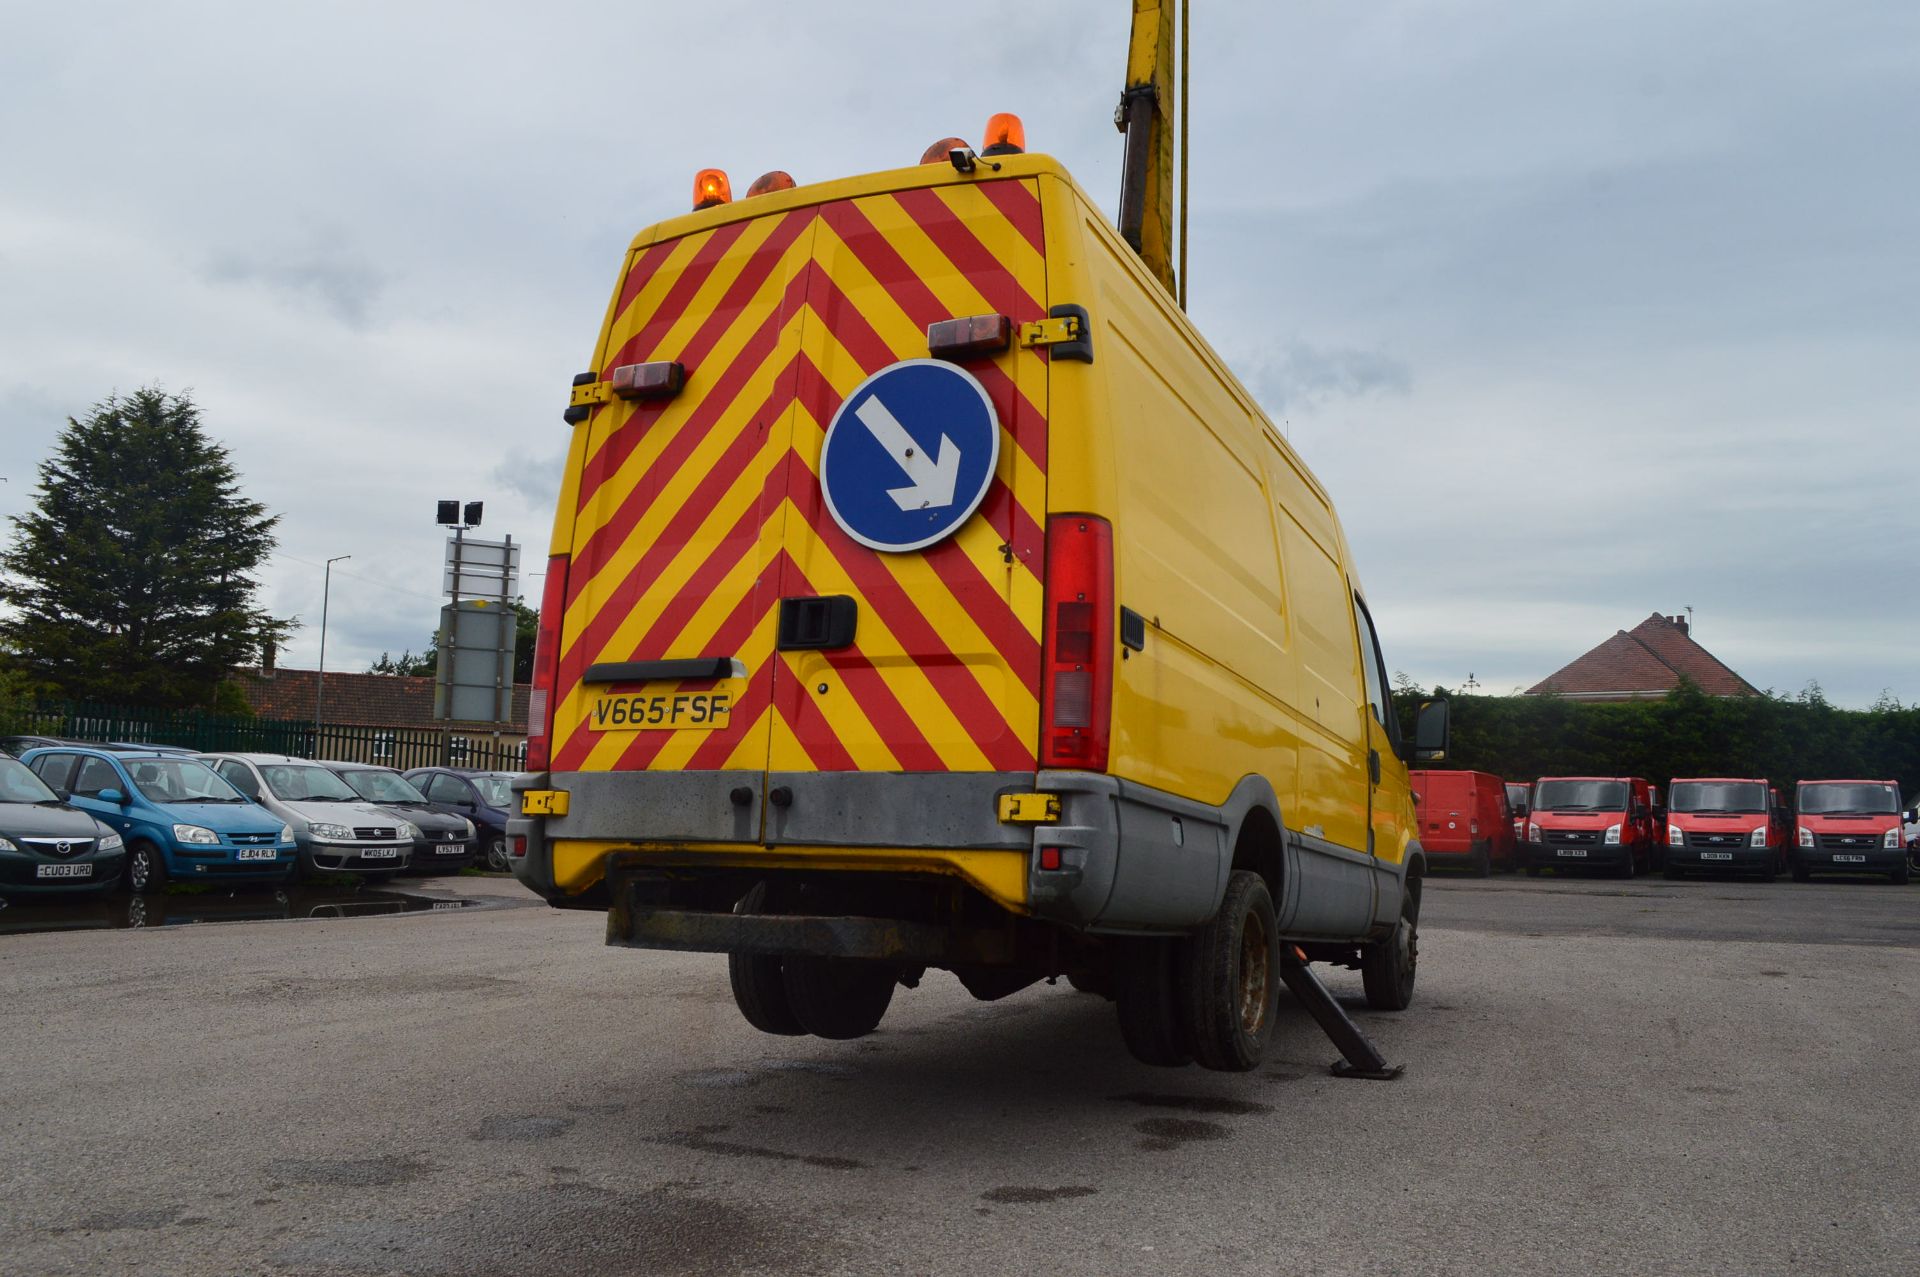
(1849,826)
(1464,820)
(1737,825)
(1590,822)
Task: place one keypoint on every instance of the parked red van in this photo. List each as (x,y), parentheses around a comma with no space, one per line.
(1848,826)
(1590,822)
(1464,818)
(1721,823)
(1520,801)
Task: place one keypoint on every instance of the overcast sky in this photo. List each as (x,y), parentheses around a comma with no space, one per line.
(1582,311)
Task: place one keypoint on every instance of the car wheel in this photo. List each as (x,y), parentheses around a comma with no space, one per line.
(1801,874)
(1231,986)
(1901,876)
(1145,997)
(759,984)
(1388,967)
(1627,869)
(497,855)
(1533,871)
(837,998)
(146,869)
(1483,863)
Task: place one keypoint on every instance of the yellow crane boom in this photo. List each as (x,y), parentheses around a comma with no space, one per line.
(1146,114)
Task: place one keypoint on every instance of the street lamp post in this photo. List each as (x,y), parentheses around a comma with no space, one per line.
(320,683)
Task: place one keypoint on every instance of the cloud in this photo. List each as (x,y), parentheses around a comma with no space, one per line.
(1301,376)
(324,273)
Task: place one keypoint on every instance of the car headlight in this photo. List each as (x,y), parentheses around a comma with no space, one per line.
(338,833)
(6,844)
(1675,836)
(470,827)
(1758,838)
(1613,836)
(1806,836)
(1533,832)
(286,833)
(195,834)
(112,842)
(409,830)
(1893,838)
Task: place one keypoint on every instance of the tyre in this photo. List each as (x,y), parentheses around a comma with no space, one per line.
(1627,868)
(837,998)
(496,854)
(1901,876)
(1800,874)
(1769,872)
(1672,873)
(1230,986)
(760,991)
(1533,871)
(146,869)
(1145,999)
(1482,864)
(1387,967)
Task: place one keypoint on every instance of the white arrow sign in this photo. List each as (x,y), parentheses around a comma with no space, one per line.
(934,479)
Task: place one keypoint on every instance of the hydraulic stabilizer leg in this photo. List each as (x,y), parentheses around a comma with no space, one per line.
(1363,1059)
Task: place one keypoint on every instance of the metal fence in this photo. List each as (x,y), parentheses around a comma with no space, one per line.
(401,747)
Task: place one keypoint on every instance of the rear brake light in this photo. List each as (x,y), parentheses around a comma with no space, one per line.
(969,336)
(939,151)
(519,847)
(546,666)
(1006,135)
(660,380)
(1049,858)
(710,187)
(1076,698)
(767,183)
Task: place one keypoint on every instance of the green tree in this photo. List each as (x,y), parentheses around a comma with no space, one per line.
(132,579)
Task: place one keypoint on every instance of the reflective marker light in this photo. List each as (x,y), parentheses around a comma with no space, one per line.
(969,336)
(710,187)
(661,380)
(938,152)
(519,846)
(1006,135)
(767,183)
(1049,857)
(1076,693)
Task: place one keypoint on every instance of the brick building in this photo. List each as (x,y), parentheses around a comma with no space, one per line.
(383,718)
(1643,663)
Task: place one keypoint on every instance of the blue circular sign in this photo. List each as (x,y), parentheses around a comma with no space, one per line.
(909,454)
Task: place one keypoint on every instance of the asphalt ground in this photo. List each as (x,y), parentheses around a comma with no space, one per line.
(1602,1077)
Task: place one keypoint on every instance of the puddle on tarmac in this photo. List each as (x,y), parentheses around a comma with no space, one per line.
(174,908)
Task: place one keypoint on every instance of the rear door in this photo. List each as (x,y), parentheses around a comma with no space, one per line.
(943,671)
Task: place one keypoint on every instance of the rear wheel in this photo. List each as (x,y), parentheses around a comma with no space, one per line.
(1482,865)
(1231,987)
(838,998)
(497,855)
(1627,868)
(1387,967)
(1901,876)
(1144,997)
(146,869)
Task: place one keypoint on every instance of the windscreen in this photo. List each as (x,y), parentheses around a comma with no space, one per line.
(1517,795)
(296,783)
(1849,800)
(383,787)
(18,784)
(1580,795)
(180,780)
(493,789)
(1709,797)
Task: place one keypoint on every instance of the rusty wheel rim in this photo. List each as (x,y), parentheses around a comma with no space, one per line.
(1256,972)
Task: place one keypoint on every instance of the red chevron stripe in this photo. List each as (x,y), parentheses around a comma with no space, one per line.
(705,260)
(957,242)
(869,691)
(645,266)
(1018,205)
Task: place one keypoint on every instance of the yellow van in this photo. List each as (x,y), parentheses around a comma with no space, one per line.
(926,593)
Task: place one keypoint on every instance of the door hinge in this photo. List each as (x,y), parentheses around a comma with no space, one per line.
(1050,332)
(1029,809)
(591,393)
(543,802)
(1066,330)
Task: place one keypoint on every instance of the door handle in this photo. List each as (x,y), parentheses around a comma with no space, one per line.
(1373,765)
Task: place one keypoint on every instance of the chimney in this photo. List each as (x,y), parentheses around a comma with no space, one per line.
(266,658)
(1679,623)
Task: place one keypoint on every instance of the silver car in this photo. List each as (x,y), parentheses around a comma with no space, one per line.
(337,830)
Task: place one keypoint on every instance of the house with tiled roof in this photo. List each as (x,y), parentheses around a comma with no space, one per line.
(1644,663)
(359,700)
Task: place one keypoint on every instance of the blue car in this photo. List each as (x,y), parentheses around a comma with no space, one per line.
(178,818)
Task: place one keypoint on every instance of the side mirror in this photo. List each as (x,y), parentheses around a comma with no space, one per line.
(1432,731)
(112,796)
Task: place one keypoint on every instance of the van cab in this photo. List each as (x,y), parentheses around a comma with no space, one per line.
(1737,825)
(178,819)
(927,593)
(1590,822)
(1465,820)
(1520,802)
(1849,826)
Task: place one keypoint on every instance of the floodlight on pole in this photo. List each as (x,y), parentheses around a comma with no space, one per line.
(320,682)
